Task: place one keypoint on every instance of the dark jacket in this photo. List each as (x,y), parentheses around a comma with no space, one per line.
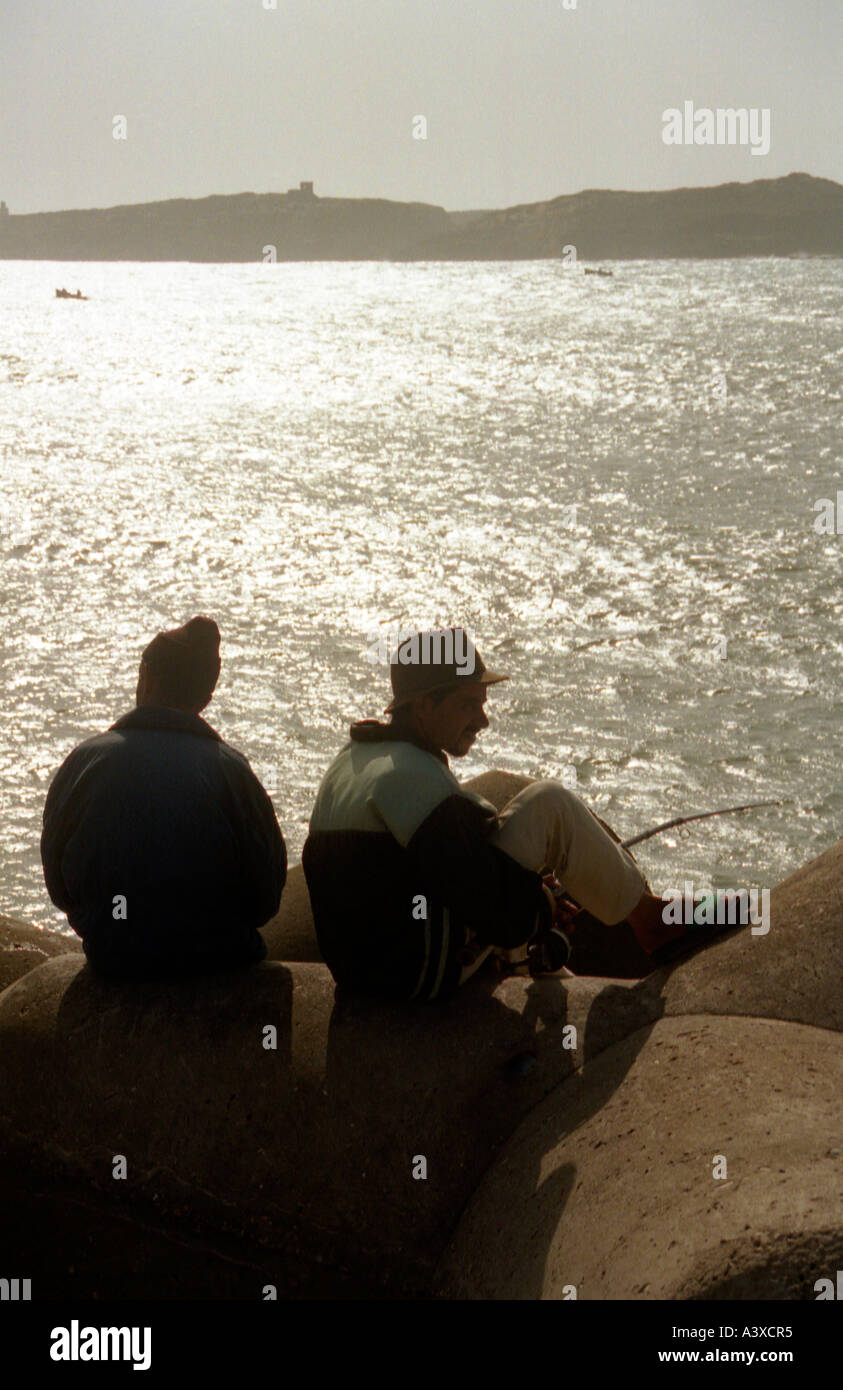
(400,865)
(159,811)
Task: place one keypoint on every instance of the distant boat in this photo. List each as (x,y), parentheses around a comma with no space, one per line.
(66,294)
(597,271)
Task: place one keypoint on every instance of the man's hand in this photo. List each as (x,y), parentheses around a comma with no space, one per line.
(564,911)
(548,892)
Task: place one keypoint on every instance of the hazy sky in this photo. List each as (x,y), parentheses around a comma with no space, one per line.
(524,99)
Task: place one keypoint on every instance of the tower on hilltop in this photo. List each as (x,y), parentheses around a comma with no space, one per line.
(304,192)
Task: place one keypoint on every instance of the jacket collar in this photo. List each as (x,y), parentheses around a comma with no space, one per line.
(372,731)
(164,720)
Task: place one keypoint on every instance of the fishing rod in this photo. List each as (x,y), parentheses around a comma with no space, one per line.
(685,820)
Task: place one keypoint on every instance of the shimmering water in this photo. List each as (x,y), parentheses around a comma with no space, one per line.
(600,478)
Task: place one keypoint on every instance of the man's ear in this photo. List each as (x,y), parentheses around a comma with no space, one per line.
(424,707)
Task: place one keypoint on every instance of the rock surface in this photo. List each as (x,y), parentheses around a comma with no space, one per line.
(22,948)
(569,1128)
(794,972)
(306,1149)
(609,1187)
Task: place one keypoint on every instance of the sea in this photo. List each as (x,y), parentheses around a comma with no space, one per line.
(620,485)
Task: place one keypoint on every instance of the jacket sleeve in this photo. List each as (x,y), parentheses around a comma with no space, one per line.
(57,826)
(485,888)
(264,854)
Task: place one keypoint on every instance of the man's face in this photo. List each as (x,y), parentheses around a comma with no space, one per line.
(455,722)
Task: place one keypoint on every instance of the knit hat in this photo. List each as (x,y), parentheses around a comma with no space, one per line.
(185,661)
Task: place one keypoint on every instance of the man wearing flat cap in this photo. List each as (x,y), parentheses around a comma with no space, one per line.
(414,879)
(158,840)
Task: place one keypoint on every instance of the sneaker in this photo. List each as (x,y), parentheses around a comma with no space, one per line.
(693,935)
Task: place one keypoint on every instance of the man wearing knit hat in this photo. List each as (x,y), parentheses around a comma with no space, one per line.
(415,879)
(158,840)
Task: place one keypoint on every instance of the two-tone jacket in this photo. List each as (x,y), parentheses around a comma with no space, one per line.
(401,867)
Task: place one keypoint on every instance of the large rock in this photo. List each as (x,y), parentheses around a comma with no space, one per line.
(291,934)
(22,948)
(305,1151)
(609,1187)
(793,972)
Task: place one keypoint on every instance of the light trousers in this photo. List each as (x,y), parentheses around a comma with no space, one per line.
(547,828)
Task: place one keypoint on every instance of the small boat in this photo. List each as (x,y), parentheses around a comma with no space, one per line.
(597,271)
(66,294)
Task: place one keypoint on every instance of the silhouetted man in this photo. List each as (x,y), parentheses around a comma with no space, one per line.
(414,879)
(159,842)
